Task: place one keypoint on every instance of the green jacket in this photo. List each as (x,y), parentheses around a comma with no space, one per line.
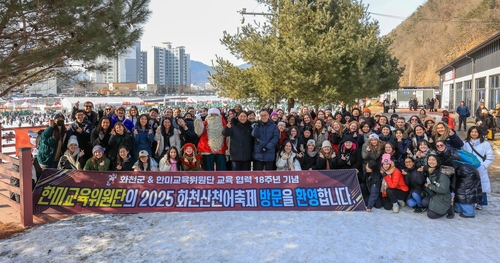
(89,166)
(47,148)
(440,184)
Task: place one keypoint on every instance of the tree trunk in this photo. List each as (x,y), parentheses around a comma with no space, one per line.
(291,104)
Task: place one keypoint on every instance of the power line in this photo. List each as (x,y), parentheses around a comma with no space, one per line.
(438,21)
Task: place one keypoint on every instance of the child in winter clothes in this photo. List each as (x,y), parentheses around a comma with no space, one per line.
(171,162)
(190,159)
(393,188)
(98,162)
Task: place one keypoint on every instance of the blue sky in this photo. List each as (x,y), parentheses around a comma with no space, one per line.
(199,24)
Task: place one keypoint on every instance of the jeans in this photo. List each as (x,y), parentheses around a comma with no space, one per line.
(462,119)
(465,209)
(415,200)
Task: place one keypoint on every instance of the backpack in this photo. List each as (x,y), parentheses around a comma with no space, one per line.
(468,158)
(451,122)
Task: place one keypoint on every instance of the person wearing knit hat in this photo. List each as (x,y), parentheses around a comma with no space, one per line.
(349,157)
(326,159)
(274,117)
(98,161)
(394,189)
(393,119)
(72,157)
(371,149)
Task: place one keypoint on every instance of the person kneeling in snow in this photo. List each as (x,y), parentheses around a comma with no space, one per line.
(394,190)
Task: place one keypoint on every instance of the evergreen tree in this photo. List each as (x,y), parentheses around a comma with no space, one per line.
(313,52)
(38,38)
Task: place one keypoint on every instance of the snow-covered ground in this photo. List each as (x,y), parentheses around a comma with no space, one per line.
(379,236)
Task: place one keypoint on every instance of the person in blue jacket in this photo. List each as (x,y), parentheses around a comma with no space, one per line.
(119,116)
(463,112)
(266,137)
(143,135)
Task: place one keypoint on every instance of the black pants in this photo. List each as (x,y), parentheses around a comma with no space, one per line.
(462,119)
(240,165)
(263,166)
(434,215)
(396,194)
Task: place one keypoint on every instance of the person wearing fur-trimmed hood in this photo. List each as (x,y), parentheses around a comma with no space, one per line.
(286,159)
(212,144)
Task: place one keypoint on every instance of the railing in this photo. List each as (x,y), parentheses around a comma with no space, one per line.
(20,185)
(24,190)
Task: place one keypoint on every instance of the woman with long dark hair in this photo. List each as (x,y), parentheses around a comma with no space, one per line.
(145,162)
(286,159)
(476,144)
(100,135)
(438,186)
(239,129)
(143,135)
(171,161)
(51,143)
(166,136)
(123,161)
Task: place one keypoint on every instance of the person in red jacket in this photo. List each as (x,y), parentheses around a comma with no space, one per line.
(394,190)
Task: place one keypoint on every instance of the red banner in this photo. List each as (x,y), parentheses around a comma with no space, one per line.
(70,191)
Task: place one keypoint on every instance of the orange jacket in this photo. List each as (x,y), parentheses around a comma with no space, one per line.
(396,181)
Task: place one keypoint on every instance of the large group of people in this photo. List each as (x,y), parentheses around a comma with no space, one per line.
(416,162)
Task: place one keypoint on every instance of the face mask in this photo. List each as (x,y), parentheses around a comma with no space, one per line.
(60,122)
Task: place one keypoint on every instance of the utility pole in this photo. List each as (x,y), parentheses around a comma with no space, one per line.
(244,12)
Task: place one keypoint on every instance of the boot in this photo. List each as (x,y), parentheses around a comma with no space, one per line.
(451,213)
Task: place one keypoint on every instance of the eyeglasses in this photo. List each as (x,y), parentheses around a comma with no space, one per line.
(88,106)
(108,108)
(414,119)
(439,145)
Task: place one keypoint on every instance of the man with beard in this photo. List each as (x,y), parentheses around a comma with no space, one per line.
(212,145)
(90,115)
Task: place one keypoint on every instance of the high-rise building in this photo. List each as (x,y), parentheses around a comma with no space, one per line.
(125,68)
(169,66)
(143,68)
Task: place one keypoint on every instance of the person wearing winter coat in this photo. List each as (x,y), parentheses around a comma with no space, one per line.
(349,157)
(441,131)
(166,136)
(190,159)
(438,185)
(171,161)
(468,190)
(286,159)
(119,137)
(484,122)
(320,133)
(98,161)
(304,138)
(326,159)
(71,158)
(51,143)
(82,129)
(403,146)
(101,133)
(186,131)
(239,129)
(212,144)
(266,137)
(308,158)
(386,135)
(123,160)
(418,134)
(373,183)
(336,132)
(372,149)
(414,179)
(462,112)
(120,117)
(393,187)
(145,162)
(143,135)
(477,145)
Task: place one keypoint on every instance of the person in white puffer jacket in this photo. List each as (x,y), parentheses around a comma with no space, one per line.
(475,143)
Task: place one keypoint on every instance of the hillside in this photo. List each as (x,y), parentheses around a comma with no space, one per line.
(199,72)
(439,32)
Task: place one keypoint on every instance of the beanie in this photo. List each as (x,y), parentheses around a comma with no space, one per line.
(326,144)
(386,158)
(73,140)
(367,110)
(274,113)
(97,148)
(372,136)
(281,123)
(311,141)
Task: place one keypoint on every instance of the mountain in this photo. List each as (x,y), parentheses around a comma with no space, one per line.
(199,72)
(439,32)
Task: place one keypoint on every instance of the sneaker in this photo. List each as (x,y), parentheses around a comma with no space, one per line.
(424,209)
(479,207)
(417,210)
(395,208)
(464,216)
(402,203)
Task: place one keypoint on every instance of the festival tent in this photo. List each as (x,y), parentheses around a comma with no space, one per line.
(26,104)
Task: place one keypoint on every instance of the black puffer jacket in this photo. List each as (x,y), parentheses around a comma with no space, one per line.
(307,161)
(414,180)
(352,160)
(468,185)
(241,146)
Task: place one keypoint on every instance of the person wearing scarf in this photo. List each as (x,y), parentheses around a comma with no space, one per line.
(308,159)
(170,161)
(394,189)
(190,159)
(72,157)
(98,162)
(326,159)
(286,160)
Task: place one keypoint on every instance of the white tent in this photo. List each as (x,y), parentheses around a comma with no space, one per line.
(69,102)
